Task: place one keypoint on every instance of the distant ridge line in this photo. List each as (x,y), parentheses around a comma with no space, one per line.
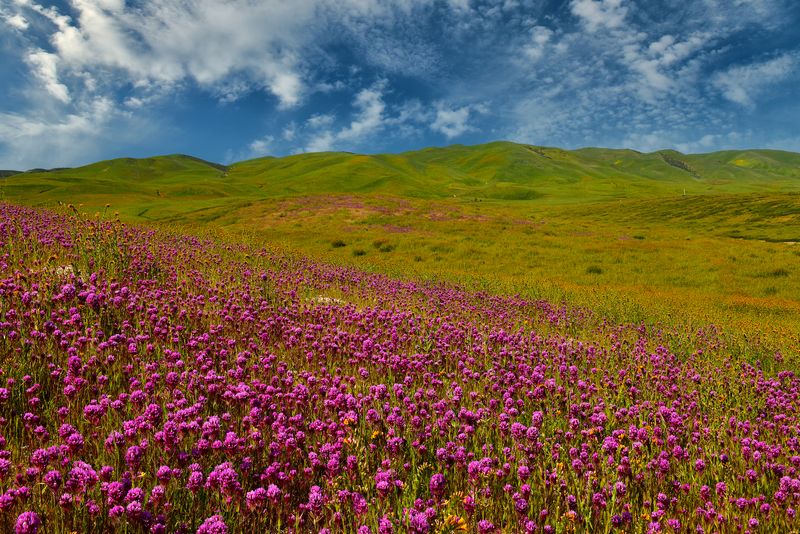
(539,150)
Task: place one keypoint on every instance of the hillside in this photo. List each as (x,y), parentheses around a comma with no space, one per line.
(501,170)
(248,369)
(703,238)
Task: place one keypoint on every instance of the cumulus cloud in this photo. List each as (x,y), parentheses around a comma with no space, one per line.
(741,84)
(368,119)
(452,122)
(320,120)
(231,48)
(261,146)
(289,132)
(373,117)
(236,45)
(16,21)
(600,14)
(658,65)
(45,67)
(540,37)
(370,104)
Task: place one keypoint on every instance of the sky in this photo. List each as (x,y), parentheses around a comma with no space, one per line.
(86,80)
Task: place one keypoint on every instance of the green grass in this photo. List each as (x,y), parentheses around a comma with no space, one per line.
(708,238)
(500,170)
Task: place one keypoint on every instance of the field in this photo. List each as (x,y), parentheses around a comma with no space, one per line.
(160,382)
(273,346)
(660,238)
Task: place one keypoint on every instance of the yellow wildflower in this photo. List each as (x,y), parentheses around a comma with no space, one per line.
(456,522)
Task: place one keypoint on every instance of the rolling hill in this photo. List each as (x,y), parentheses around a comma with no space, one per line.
(500,170)
(662,236)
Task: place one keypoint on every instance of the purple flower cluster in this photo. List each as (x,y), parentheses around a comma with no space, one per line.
(28,523)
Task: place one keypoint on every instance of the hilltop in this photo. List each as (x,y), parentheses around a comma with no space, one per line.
(500,170)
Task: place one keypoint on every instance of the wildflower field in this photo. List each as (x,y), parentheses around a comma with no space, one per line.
(634,237)
(157,382)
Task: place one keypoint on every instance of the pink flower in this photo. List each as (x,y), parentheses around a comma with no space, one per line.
(27,523)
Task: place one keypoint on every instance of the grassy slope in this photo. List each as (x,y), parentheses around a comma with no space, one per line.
(705,238)
(501,170)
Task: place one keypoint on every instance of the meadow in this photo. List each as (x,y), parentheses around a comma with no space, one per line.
(663,238)
(158,382)
(187,347)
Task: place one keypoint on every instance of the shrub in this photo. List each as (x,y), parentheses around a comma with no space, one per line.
(383,246)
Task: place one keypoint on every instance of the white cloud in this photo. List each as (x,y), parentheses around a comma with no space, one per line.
(409,114)
(396,42)
(711,142)
(743,12)
(459,4)
(231,48)
(321,143)
(321,120)
(232,90)
(540,37)
(261,146)
(51,138)
(16,21)
(373,116)
(687,142)
(451,122)
(742,84)
(289,132)
(44,66)
(656,63)
(133,102)
(599,14)
(215,44)
(369,119)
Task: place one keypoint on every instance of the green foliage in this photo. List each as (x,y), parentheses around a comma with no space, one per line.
(382,246)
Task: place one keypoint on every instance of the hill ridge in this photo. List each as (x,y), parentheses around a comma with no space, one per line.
(501,170)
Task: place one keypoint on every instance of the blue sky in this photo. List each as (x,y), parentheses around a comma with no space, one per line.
(95,79)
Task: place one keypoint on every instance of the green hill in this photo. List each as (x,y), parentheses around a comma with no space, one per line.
(501,170)
(703,238)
